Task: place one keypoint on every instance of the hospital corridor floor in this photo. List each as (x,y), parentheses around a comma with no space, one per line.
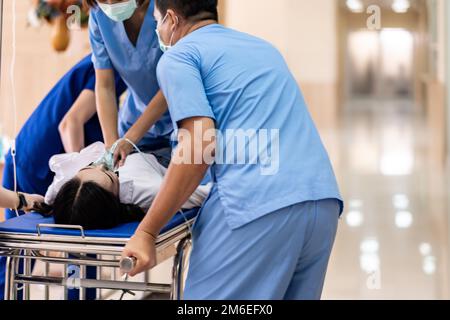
(393,240)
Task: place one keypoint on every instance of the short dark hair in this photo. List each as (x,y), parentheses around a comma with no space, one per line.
(90,3)
(92,207)
(93,3)
(189,8)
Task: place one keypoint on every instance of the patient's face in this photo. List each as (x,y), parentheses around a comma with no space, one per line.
(102,176)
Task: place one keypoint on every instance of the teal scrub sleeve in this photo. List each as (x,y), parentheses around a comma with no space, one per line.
(181,83)
(100,56)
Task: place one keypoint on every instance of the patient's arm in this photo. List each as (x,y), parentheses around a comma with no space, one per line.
(180,182)
(71,128)
(9,199)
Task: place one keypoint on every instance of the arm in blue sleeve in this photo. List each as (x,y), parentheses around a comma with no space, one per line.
(100,56)
(181,83)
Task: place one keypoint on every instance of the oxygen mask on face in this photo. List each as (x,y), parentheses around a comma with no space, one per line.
(107,159)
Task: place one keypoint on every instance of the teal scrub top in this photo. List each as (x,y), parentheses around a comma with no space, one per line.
(136,64)
(244,84)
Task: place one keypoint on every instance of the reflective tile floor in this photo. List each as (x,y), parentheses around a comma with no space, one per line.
(393,240)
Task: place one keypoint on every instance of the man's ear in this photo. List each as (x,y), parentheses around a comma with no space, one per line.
(174,19)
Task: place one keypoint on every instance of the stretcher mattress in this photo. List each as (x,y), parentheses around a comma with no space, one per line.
(27,224)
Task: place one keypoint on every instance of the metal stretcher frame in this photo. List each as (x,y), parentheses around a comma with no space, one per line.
(86,252)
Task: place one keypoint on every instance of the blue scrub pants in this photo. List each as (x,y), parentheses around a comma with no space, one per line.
(281,256)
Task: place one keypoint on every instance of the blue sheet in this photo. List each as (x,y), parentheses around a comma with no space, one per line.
(27,224)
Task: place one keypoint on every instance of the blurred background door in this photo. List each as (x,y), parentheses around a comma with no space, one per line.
(379,64)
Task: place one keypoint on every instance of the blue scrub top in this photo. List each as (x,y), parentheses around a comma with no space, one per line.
(243,82)
(135,64)
(39,138)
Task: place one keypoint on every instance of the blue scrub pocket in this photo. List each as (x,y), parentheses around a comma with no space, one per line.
(211,207)
(196,228)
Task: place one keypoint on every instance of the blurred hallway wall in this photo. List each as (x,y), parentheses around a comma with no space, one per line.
(446,19)
(436,80)
(305,33)
(38,67)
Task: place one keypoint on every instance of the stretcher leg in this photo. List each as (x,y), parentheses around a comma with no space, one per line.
(98,292)
(10,272)
(83,275)
(27,272)
(46,287)
(66,274)
(178,273)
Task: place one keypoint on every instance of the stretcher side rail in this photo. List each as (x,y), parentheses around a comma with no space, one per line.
(86,251)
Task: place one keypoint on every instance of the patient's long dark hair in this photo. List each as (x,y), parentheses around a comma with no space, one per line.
(92,207)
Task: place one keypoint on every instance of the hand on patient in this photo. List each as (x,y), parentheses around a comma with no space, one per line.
(142,247)
(33,202)
(123,149)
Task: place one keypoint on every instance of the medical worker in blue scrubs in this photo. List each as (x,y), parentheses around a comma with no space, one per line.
(267,229)
(65,121)
(122,35)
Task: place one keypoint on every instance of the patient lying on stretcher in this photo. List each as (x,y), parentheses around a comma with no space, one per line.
(90,195)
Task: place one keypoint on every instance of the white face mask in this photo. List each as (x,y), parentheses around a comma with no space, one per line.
(119,12)
(162,45)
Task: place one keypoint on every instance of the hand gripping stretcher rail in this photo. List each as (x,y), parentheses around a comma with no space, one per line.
(26,238)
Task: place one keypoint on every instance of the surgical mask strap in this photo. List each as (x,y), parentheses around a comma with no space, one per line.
(163,20)
(173,33)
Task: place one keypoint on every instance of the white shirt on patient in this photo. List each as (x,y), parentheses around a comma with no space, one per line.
(140,178)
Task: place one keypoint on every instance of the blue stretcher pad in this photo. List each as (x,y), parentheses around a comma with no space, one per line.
(27,224)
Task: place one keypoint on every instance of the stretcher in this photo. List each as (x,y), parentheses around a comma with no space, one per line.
(27,238)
